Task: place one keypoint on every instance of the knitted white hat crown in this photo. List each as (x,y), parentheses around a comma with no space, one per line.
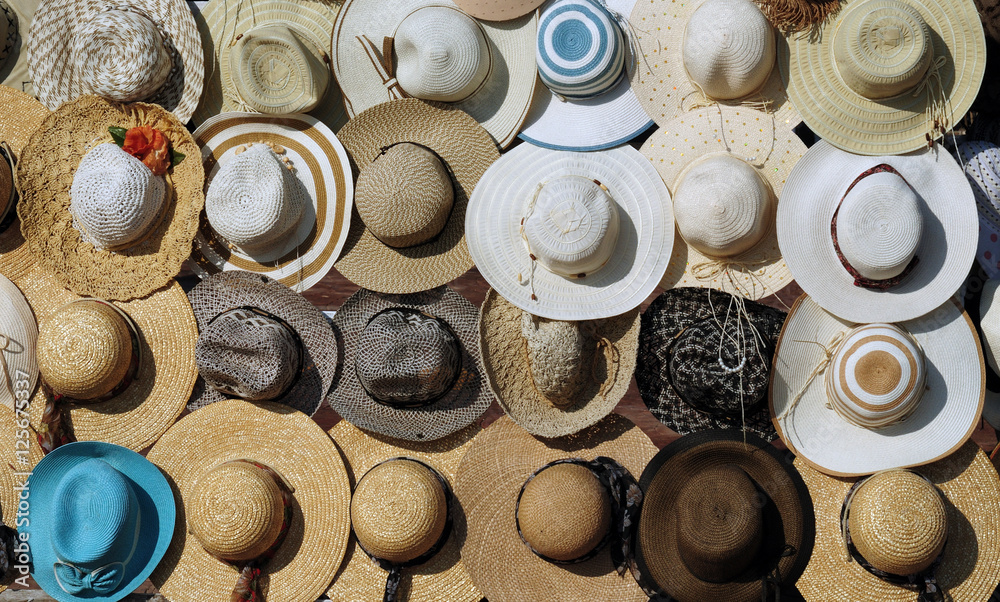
(276,71)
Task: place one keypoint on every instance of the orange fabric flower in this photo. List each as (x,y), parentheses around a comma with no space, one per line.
(149,146)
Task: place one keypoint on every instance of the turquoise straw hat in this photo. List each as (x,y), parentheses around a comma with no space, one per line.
(101,518)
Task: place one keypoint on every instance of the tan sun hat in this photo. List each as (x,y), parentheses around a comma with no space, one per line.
(21,453)
(498,10)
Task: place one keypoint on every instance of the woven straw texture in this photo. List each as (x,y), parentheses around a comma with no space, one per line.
(18,327)
(467,151)
(508,369)
(59,23)
(498,10)
(46,172)
(969,568)
(945,416)
(982,168)
(292,445)
(21,453)
(564,512)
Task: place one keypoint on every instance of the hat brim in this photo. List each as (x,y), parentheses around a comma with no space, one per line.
(18,326)
(21,453)
(487,10)
(981,163)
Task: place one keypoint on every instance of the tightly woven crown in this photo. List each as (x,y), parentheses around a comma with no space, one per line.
(580,50)
(278,70)
(560,357)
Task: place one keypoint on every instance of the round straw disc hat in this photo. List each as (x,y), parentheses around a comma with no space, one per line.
(604,368)
(23,115)
(463,146)
(757,140)
(944,416)
(21,453)
(500,56)
(18,337)
(443,577)
(982,168)
(296,448)
(857,84)
(498,10)
(60,27)
(936,194)
(624,219)
(320,165)
(492,472)
(970,564)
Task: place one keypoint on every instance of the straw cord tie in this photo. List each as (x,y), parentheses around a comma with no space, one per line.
(828,351)
(936,100)
(728,269)
(608,352)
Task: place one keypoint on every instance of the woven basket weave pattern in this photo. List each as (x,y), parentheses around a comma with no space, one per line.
(560,357)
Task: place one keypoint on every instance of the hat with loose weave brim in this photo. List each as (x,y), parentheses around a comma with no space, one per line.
(23,116)
(852,399)
(485,69)
(227,463)
(554,378)
(405,199)
(967,569)
(398,518)
(981,161)
(295,248)
(409,365)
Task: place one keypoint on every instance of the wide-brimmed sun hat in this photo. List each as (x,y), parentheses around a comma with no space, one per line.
(21,453)
(23,116)
(853,399)
(569,235)
(18,337)
(298,177)
(485,69)
(981,161)
(554,378)
(985,314)
(491,10)
(877,239)
(416,167)
(257,484)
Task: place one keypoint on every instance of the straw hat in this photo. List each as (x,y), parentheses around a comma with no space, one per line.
(486,69)
(443,576)
(895,525)
(571,236)
(297,226)
(981,161)
(885,74)
(18,336)
(904,230)
(498,10)
(9,34)
(270,56)
(725,191)
(146,50)
(569,506)
(407,237)
(21,453)
(260,341)
(854,399)
(409,364)
(555,378)
(206,456)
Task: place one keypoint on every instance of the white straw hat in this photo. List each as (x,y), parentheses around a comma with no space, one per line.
(982,168)
(907,222)
(18,337)
(568,235)
(498,10)
(854,399)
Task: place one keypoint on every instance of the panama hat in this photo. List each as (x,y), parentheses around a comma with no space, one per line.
(23,116)
(981,162)
(725,168)
(103,517)
(298,225)
(568,235)
(900,523)
(886,76)
(485,69)
(18,336)
(409,364)
(494,10)
(877,239)
(399,524)
(146,50)
(417,165)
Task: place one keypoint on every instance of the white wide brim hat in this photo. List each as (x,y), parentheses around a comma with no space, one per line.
(813,192)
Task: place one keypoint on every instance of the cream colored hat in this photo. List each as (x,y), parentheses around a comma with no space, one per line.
(18,337)
(498,10)
(485,69)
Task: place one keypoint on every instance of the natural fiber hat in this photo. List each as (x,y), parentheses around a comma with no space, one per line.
(400,199)
(46,174)
(569,506)
(981,161)
(555,378)
(725,168)
(398,514)
(270,56)
(854,399)
(571,236)
(237,468)
(409,364)
(899,520)
(9,34)
(886,76)
(295,227)
(23,115)
(21,453)
(723,514)
(484,69)
(584,100)
(18,336)
(103,520)
(877,239)
(260,341)
(146,50)
(498,10)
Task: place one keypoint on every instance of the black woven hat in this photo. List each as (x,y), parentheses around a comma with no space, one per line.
(680,376)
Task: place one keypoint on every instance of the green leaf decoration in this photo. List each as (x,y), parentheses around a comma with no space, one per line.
(176,158)
(118,134)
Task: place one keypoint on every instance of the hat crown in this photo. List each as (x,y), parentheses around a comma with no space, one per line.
(442,54)
(580,51)
(121,55)
(405,195)
(276,71)
(564,511)
(115,199)
(559,356)
(728,48)
(399,510)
